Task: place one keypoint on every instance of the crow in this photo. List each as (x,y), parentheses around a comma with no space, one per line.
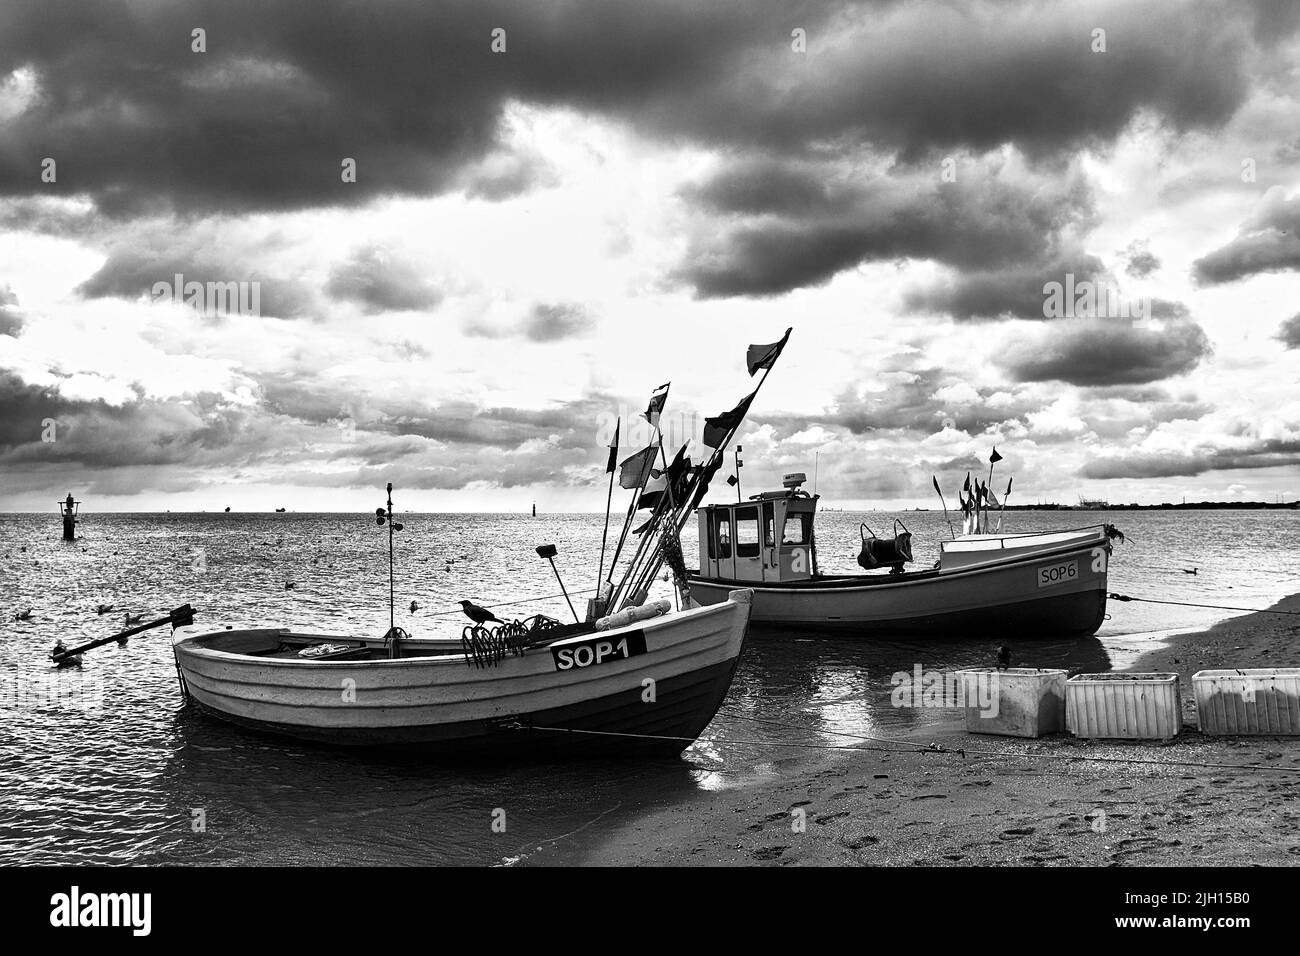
(1004,657)
(479,615)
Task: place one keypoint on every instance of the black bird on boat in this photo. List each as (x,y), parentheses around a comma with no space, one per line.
(479,615)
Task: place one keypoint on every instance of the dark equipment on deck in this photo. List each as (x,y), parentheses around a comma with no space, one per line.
(878,552)
(179,617)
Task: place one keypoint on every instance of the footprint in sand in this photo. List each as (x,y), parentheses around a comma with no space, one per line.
(768,852)
(831,816)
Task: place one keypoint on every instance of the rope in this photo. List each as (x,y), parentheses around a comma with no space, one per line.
(486,646)
(936,748)
(540,597)
(906,748)
(1218,607)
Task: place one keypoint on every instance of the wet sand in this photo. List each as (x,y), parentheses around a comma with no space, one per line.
(1014,802)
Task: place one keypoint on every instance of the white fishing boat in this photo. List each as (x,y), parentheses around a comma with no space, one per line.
(1026,585)
(650,687)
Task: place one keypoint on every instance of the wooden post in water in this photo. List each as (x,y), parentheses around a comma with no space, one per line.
(68,509)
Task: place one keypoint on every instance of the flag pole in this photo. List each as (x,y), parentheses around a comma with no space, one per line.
(693,494)
(935,479)
(609,500)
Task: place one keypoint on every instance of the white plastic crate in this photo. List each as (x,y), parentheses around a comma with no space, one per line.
(1124,706)
(1262,701)
(1014,701)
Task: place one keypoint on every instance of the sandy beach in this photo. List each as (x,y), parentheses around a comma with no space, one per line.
(1007,801)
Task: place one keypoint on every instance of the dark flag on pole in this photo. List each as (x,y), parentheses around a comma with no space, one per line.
(717,428)
(995,457)
(765,356)
(636,469)
(656,406)
(613,449)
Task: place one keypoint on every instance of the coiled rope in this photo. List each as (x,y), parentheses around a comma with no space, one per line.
(486,646)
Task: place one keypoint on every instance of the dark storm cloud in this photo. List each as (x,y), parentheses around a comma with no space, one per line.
(1268,242)
(1013,292)
(800,224)
(136,263)
(413,92)
(176,444)
(1105,352)
(201,431)
(1289,332)
(381,280)
(11,319)
(1264,454)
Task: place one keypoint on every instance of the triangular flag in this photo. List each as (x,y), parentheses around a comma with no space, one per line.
(613,449)
(656,406)
(995,457)
(765,356)
(717,428)
(636,469)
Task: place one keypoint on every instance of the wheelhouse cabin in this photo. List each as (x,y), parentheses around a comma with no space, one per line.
(768,538)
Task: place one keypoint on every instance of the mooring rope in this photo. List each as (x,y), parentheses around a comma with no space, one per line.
(1218,607)
(907,747)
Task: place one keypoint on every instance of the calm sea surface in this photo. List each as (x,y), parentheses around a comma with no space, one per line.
(102,764)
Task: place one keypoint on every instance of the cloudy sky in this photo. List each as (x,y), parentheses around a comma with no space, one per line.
(560,204)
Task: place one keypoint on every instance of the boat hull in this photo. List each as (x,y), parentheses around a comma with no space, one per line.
(1005,598)
(654,703)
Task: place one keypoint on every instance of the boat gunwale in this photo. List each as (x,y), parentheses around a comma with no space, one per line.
(189,643)
(855,582)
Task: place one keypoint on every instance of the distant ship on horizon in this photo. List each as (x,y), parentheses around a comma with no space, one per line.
(1093,504)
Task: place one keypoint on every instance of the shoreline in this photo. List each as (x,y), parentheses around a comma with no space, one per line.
(1010,801)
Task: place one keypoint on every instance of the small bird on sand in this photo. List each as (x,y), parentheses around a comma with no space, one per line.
(23,615)
(414,607)
(103,608)
(1192,571)
(1004,657)
(479,615)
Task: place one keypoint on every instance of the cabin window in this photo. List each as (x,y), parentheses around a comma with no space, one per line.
(798,529)
(720,539)
(769,538)
(747,533)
